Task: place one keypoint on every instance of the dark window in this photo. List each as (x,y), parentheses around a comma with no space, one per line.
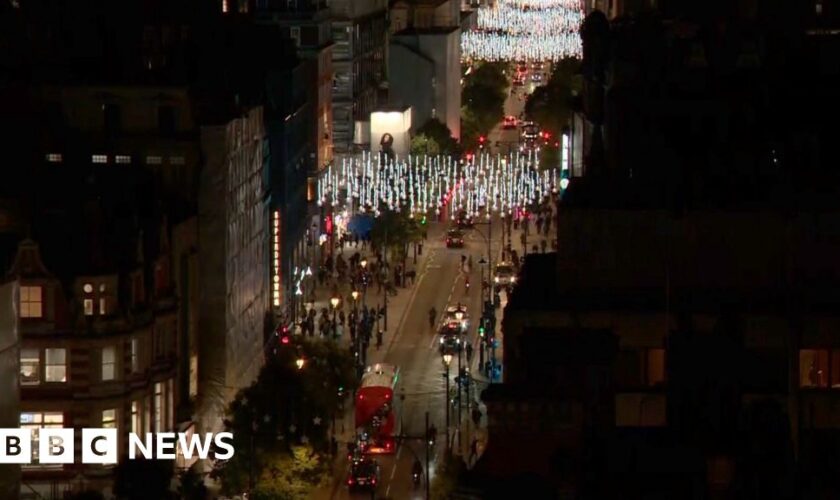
(309,36)
(113,119)
(166,120)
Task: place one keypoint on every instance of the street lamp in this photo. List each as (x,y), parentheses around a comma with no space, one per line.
(364,264)
(447,358)
(300,362)
(334,301)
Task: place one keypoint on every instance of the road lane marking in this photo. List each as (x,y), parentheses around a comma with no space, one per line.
(393,471)
(432,344)
(388,491)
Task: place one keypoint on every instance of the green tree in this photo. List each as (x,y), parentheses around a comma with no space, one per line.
(291,475)
(550,105)
(437,131)
(284,408)
(192,485)
(422,144)
(143,479)
(483,98)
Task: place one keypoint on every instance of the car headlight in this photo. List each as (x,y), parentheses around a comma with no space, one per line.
(513,279)
(496,279)
(441,340)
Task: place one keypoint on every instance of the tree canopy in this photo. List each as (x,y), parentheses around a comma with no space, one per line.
(286,409)
(483,98)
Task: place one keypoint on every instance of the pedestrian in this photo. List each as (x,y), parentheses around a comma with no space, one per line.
(333,447)
(476,416)
(378,339)
(543,245)
(341,317)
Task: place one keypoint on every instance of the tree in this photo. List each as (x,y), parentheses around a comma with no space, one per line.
(143,479)
(291,476)
(269,419)
(550,104)
(437,131)
(192,485)
(483,99)
(422,144)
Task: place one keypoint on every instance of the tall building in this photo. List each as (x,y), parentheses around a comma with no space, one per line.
(258,150)
(307,23)
(424,61)
(359,32)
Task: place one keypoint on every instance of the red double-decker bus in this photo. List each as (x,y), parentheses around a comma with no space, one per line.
(376,417)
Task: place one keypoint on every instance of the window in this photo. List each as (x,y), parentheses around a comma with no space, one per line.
(170,403)
(134,347)
(109,363)
(88,307)
(55,361)
(122,159)
(31,302)
(103,310)
(819,368)
(158,407)
(148,407)
(30,367)
(113,119)
(193,375)
(135,417)
(109,419)
(225,6)
(655,367)
(99,158)
(166,120)
(35,421)
(88,301)
(153,160)
(176,160)
(54,158)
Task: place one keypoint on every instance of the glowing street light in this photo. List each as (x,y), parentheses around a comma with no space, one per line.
(300,362)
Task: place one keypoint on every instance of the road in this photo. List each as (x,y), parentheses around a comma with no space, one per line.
(413,346)
(508,140)
(414,349)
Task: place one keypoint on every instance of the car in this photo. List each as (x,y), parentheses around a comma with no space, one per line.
(509,123)
(455,316)
(538,66)
(464,220)
(522,68)
(519,81)
(454,239)
(530,132)
(364,474)
(449,343)
(536,77)
(505,274)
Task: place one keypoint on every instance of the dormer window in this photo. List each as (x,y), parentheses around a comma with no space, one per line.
(88,300)
(103,303)
(31,302)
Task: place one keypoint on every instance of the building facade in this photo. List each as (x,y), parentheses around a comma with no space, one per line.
(359,32)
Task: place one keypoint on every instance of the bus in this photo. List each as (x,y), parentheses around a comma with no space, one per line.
(376,421)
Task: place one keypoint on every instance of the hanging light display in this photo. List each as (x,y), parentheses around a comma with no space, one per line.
(525,30)
(483,183)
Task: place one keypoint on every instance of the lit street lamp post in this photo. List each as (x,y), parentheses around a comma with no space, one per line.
(334,301)
(447,359)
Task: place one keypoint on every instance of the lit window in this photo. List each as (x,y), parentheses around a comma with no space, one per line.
(35,421)
(134,352)
(153,160)
(109,363)
(99,158)
(54,157)
(109,419)
(31,302)
(176,160)
(101,287)
(193,375)
(819,368)
(158,407)
(30,367)
(88,288)
(102,308)
(656,367)
(123,159)
(225,6)
(55,361)
(88,303)
(135,417)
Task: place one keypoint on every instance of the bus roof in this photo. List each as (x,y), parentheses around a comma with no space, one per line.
(380,375)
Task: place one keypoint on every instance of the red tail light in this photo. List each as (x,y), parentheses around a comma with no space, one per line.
(349,480)
(373,481)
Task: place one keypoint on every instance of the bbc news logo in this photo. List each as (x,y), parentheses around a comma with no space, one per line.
(100,446)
